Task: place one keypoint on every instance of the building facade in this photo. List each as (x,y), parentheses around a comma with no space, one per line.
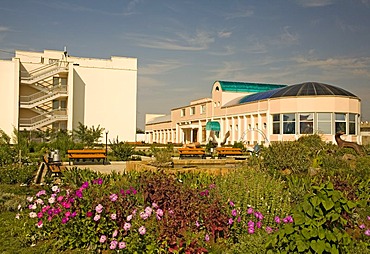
(51,89)
(260,113)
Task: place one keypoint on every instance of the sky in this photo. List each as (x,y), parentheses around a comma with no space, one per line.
(184,46)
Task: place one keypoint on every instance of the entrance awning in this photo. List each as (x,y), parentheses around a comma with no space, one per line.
(213,126)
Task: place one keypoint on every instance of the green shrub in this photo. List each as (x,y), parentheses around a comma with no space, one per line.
(122,150)
(162,155)
(17,174)
(320,224)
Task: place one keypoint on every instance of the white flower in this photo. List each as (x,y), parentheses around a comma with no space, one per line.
(51,200)
(17,216)
(29,199)
(33,215)
(19,207)
(129,217)
(39,201)
(55,188)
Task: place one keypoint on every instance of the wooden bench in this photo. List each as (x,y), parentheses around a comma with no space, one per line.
(87,154)
(192,152)
(228,151)
(54,168)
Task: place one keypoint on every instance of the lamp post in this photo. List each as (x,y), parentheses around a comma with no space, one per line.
(106,147)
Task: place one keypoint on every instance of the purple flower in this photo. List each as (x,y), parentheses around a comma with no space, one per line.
(211,186)
(154,205)
(250,210)
(206,238)
(251,230)
(258,215)
(233,212)
(239,219)
(40,193)
(102,239)
(204,193)
(367,232)
(288,219)
(148,210)
(85,185)
(79,193)
(64,220)
(99,208)
(127,226)
(144,215)
(231,203)
(368,217)
(113,197)
(67,214)
(142,230)
(74,214)
(231,221)
(277,219)
(259,224)
(40,214)
(197,224)
(362,226)
(89,214)
(250,224)
(121,245)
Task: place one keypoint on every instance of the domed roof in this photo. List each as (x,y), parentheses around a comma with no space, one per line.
(303,89)
(311,88)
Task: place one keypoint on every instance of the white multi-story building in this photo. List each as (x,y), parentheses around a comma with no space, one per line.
(51,89)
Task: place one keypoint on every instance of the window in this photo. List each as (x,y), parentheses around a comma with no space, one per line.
(183,112)
(340,122)
(192,111)
(306,123)
(324,123)
(63,81)
(289,123)
(203,109)
(55,104)
(352,124)
(55,81)
(276,124)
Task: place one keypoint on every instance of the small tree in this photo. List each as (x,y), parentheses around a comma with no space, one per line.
(7,153)
(88,136)
(122,150)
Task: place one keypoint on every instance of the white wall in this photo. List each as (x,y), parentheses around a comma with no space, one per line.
(9,87)
(106,97)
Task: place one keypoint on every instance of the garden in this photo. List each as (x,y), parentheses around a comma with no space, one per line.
(303,196)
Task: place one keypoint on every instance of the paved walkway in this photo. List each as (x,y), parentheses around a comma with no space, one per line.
(118,166)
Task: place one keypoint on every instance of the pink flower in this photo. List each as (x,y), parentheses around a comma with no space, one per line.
(113,245)
(102,239)
(250,224)
(368,217)
(64,220)
(115,233)
(206,238)
(129,217)
(259,224)
(277,219)
(258,215)
(79,193)
(197,224)
(211,186)
(89,214)
(113,216)
(269,230)
(362,226)
(121,245)
(144,215)
(60,198)
(231,203)
(113,197)
(250,230)
(239,219)
(148,210)
(39,224)
(85,185)
(97,217)
(127,226)
(40,193)
(159,212)
(154,205)
(99,208)
(67,214)
(367,232)
(40,214)
(250,210)
(142,230)
(74,214)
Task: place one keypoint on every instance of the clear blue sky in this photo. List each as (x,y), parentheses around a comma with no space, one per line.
(183,46)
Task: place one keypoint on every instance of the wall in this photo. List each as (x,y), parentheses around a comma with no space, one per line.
(9,86)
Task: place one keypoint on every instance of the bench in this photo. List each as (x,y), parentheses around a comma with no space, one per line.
(192,152)
(54,168)
(87,154)
(228,151)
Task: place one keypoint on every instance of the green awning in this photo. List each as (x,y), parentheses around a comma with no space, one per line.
(213,126)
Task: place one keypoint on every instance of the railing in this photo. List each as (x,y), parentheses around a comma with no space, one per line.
(40,96)
(54,115)
(45,71)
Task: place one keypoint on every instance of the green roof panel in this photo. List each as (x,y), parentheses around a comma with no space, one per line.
(213,126)
(247,87)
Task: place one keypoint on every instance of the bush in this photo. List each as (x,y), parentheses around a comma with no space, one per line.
(17,174)
(122,150)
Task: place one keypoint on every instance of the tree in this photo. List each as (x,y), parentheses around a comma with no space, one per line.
(7,153)
(88,136)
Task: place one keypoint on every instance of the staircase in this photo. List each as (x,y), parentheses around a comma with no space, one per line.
(43,119)
(40,98)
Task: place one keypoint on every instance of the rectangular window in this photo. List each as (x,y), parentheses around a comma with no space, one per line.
(306,123)
(289,123)
(192,111)
(63,81)
(63,104)
(352,124)
(276,124)
(55,81)
(55,104)
(340,122)
(183,112)
(324,123)
(203,109)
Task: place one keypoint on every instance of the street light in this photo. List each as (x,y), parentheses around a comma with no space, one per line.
(106,147)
